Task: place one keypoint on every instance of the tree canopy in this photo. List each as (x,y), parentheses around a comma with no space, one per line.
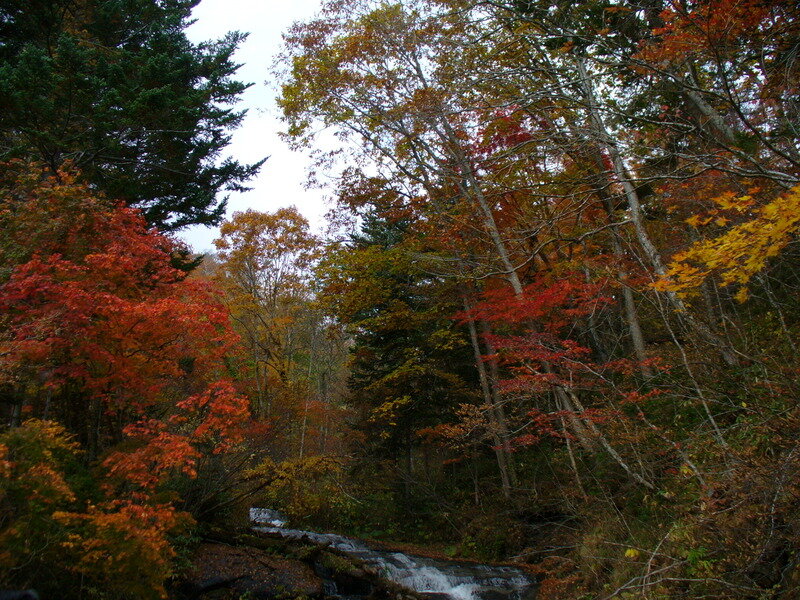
(554,319)
(116,88)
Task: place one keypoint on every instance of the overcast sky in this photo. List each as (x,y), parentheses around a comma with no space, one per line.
(280,182)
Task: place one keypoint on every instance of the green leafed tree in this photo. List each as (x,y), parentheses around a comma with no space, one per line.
(115,87)
(410,362)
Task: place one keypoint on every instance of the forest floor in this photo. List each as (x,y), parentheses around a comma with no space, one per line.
(223,571)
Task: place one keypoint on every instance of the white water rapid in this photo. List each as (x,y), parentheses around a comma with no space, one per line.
(450,579)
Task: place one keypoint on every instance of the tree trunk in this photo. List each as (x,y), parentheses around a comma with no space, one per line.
(500,446)
(637,217)
(631,314)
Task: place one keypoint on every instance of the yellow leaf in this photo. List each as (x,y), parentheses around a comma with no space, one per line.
(740,253)
(694,220)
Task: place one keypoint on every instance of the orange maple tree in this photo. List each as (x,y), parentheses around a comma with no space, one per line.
(106,335)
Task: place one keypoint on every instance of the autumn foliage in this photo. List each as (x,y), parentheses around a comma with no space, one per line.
(104,333)
(601,198)
(554,320)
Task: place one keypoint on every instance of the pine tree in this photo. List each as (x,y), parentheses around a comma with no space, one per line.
(115,87)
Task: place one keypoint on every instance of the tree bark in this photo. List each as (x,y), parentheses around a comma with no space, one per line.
(637,217)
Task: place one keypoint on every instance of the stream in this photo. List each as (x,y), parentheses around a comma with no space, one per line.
(434,577)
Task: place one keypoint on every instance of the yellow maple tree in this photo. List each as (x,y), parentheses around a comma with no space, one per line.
(741,252)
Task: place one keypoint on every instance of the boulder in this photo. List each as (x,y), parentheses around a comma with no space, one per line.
(224,571)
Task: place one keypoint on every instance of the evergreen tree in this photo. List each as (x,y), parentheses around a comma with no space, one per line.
(410,361)
(115,87)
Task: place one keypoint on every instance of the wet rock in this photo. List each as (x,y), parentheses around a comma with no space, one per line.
(393,573)
(436,596)
(495,594)
(224,571)
(342,576)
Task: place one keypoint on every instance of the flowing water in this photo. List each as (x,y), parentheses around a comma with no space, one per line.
(449,579)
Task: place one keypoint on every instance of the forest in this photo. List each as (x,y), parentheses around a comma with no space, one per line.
(553,320)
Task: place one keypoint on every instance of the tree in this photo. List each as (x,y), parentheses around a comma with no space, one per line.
(99,326)
(115,353)
(117,89)
(380,76)
(410,364)
(265,265)
(741,252)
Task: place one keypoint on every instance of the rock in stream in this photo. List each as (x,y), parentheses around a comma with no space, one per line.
(429,577)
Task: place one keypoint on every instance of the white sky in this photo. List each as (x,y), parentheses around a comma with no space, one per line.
(280,182)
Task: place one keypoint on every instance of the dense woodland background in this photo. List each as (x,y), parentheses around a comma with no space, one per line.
(555,318)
